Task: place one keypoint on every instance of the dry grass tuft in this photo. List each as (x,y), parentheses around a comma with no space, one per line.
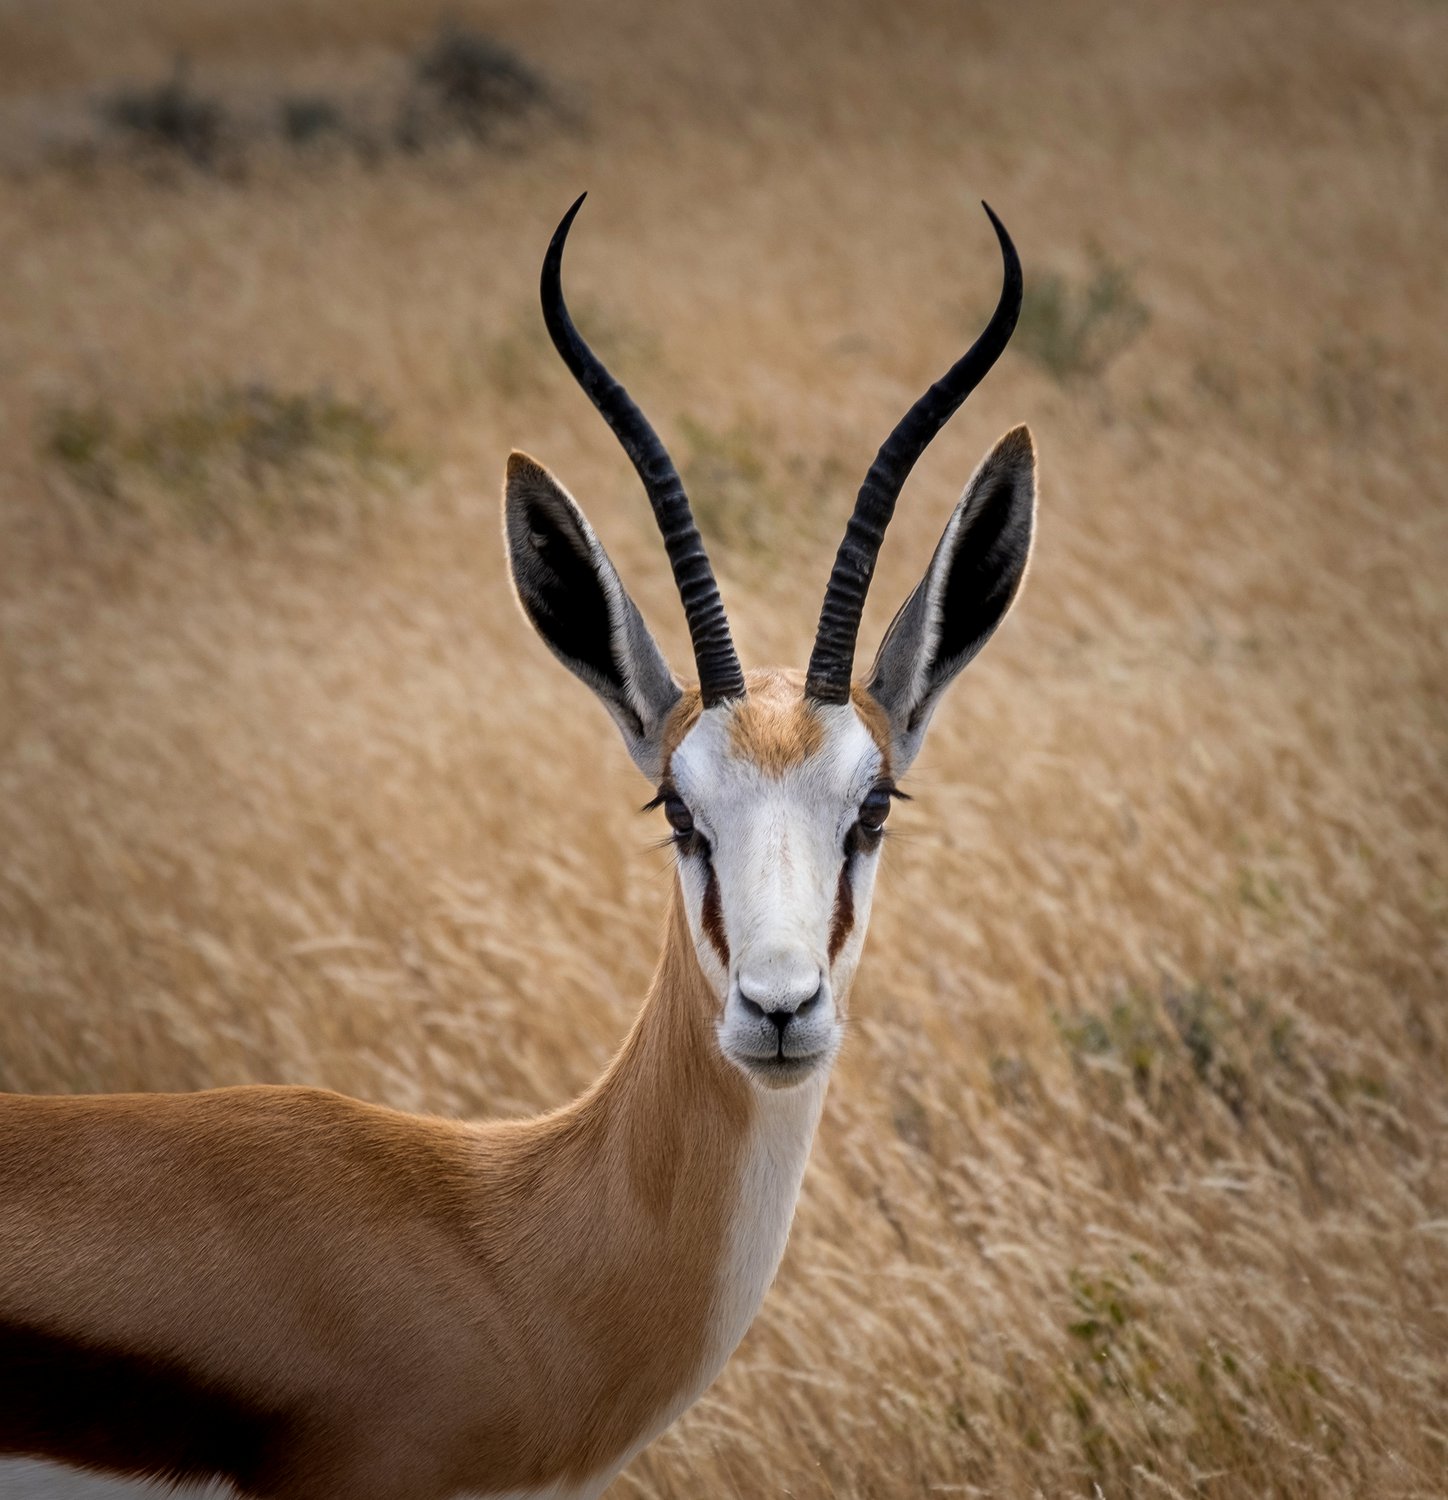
(225,460)
(1132,1180)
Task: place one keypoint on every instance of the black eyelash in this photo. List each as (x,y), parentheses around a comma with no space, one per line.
(691,841)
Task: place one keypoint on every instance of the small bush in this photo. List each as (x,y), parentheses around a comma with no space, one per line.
(1075,332)
(171,117)
(754,496)
(224,459)
(462,86)
(466,84)
(79,436)
(306,118)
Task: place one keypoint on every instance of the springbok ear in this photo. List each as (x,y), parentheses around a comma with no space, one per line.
(569,590)
(966,592)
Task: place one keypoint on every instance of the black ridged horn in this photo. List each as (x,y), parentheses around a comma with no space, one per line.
(720,677)
(832,660)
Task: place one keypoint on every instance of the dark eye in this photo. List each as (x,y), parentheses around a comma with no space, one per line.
(875,809)
(681,820)
(869,825)
(686,836)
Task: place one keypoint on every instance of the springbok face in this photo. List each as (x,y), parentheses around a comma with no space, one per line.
(776,784)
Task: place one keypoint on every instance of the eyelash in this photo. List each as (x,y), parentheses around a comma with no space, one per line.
(862,838)
(686,839)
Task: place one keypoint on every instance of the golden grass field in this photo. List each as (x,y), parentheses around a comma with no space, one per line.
(1133,1180)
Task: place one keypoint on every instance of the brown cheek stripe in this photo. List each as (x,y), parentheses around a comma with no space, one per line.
(844,918)
(713,917)
(80,1403)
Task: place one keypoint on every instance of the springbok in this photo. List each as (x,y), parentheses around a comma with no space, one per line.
(310,1298)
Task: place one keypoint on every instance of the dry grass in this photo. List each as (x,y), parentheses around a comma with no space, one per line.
(1132,1181)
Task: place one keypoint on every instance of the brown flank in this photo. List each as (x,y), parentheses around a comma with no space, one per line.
(430,1306)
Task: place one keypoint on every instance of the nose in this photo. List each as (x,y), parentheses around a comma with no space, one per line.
(778,980)
(781,1016)
(779,991)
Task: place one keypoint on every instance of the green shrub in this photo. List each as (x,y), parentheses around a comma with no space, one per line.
(226,458)
(1077,331)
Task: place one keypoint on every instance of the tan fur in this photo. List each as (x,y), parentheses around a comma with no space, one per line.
(875,720)
(451,1306)
(681,720)
(775,726)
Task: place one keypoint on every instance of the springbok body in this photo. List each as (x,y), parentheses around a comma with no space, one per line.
(306,1296)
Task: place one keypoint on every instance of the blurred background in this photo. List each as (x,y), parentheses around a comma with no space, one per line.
(1132,1178)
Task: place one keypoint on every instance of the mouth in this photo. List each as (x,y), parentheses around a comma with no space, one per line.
(780,1072)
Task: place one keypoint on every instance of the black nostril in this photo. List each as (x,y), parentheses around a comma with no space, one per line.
(780,1019)
(750,1007)
(807,1006)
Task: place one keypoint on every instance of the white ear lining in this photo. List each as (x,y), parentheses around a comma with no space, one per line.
(622,614)
(935,581)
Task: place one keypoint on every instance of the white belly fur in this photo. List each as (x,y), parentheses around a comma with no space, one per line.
(774,1164)
(25,1479)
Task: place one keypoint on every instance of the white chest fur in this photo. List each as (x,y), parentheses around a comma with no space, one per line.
(774,1161)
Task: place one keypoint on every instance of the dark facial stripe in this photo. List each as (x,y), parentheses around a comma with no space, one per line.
(86,1404)
(713,918)
(844,918)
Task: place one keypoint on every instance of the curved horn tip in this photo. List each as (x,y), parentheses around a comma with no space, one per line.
(555,245)
(1009,253)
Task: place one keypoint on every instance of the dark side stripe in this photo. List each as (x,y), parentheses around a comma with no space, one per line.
(843,921)
(712,918)
(88,1405)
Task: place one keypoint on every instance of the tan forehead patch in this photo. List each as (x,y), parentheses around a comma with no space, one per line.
(775,728)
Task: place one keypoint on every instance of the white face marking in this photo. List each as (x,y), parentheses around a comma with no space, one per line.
(777,849)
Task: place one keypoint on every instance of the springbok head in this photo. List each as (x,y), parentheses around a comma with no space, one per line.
(777,784)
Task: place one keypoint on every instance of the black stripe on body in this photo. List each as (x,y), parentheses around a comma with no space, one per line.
(96,1407)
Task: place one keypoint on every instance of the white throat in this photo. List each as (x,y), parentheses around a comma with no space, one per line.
(775,1157)
(774,1161)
